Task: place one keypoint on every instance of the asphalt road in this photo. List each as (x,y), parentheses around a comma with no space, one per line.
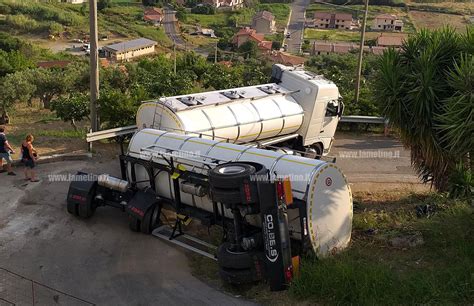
(101,261)
(296,25)
(98,260)
(169,24)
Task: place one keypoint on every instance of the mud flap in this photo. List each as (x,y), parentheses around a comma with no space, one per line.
(80,197)
(140,203)
(275,238)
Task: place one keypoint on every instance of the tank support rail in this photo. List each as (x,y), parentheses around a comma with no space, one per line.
(162,232)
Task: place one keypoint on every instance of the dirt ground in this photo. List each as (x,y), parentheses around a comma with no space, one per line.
(433,21)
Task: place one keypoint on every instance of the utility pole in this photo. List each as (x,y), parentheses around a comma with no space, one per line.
(215,54)
(94,64)
(361,52)
(174,51)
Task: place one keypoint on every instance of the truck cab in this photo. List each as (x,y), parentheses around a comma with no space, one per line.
(321,102)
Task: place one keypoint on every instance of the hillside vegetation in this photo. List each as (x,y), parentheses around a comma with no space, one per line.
(69,21)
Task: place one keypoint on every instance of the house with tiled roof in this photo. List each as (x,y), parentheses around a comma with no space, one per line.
(387,22)
(286,59)
(246,34)
(153,15)
(264,22)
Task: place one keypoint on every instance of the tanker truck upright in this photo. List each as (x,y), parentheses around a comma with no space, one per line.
(298,111)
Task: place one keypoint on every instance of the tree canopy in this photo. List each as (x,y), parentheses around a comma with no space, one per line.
(426,92)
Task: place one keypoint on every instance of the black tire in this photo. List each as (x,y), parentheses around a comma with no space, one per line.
(230,175)
(226,196)
(238,277)
(72,209)
(318,147)
(86,210)
(134,224)
(145,226)
(236,260)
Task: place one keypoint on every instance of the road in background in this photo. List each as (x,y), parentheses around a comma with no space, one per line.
(296,25)
(170,26)
(375,162)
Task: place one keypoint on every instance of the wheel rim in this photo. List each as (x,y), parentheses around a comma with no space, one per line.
(231,170)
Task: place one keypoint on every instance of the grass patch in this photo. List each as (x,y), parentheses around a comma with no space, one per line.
(281,12)
(372,272)
(207,21)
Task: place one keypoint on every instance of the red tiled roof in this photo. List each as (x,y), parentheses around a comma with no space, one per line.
(322,47)
(287,59)
(225,63)
(343,48)
(338,16)
(51,64)
(390,40)
(386,16)
(153,11)
(265,45)
(251,33)
(322,15)
(343,16)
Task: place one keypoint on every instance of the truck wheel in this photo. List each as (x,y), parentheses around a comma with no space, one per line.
(230,175)
(72,209)
(235,260)
(318,147)
(238,277)
(133,224)
(226,196)
(315,151)
(86,210)
(151,219)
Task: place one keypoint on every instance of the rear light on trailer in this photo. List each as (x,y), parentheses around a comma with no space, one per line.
(288,274)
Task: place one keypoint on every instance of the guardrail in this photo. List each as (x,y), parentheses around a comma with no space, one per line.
(368,120)
(106,134)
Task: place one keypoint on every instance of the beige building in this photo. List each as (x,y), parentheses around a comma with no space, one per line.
(264,22)
(324,20)
(387,22)
(130,49)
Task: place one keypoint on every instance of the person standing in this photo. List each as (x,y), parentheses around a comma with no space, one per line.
(5,153)
(28,158)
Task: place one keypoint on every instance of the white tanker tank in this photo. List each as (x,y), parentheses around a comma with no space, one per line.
(298,104)
(320,185)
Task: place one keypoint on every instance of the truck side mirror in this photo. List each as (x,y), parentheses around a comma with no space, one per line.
(340,110)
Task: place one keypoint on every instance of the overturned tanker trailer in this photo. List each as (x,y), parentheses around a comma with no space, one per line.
(271,206)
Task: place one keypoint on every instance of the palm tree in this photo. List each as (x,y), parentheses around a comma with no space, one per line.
(420,87)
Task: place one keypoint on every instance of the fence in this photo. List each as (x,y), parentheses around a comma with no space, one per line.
(19,290)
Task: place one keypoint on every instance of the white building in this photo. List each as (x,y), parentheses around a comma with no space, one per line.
(130,49)
(387,22)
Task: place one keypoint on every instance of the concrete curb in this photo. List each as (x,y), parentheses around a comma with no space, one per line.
(58,157)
